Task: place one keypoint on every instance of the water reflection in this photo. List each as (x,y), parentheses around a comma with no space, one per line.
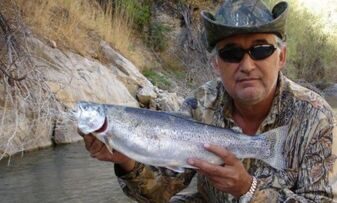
(63,174)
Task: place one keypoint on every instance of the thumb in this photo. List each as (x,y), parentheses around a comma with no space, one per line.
(228,157)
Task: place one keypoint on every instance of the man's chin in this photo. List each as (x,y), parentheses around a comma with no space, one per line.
(250,98)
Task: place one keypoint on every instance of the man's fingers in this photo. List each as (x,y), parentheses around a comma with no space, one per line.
(95,146)
(88,141)
(228,157)
(103,154)
(98,150)
(206,168)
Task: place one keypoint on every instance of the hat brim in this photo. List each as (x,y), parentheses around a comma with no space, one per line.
(216,31)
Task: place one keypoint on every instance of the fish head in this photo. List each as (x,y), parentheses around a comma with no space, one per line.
(90,116)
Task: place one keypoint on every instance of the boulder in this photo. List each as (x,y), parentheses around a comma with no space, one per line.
(331,90)
(166,101)
(21,134)
(74,78)
(124,70)
(145,95)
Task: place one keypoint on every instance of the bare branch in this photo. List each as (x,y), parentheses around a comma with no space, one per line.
(27,102)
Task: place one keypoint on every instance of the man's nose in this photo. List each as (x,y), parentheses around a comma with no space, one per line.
(247,64)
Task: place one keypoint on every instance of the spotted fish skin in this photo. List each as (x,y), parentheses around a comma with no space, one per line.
(168,140)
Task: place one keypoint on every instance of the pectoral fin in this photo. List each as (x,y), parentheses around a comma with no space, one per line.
(107,144)
(176,169)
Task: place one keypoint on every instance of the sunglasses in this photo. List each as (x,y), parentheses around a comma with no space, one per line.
(234,54)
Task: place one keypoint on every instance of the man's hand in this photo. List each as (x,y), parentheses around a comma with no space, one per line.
(98,150)
(231,178)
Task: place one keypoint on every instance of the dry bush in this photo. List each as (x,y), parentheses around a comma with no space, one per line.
(27,106)
(192,48)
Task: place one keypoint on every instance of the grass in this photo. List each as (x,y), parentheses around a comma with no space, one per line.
(158,79)
(80,25)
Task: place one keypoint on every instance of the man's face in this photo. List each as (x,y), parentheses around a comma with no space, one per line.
(250,81)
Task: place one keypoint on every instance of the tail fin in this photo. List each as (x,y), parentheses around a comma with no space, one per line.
(276,139)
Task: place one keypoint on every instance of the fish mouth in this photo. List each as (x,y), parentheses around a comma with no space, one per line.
(103,128)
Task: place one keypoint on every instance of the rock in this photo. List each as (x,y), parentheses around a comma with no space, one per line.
(124,70)
(166,101)
(331,90)
(65,131)
(145,95)
(52,44)
(330,94)
(20,134)
(73,78)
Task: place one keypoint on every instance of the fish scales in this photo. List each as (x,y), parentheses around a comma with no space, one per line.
(160,125)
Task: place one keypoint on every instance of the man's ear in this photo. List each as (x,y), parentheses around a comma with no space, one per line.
(283,57)
(215,65)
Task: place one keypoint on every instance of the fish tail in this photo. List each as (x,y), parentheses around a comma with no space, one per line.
(276,140)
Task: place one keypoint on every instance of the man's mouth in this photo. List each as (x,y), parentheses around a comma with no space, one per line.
(246,79)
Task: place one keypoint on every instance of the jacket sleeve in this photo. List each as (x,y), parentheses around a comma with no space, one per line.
(148,184)
(317,174)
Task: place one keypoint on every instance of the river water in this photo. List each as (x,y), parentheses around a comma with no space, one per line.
(62,174)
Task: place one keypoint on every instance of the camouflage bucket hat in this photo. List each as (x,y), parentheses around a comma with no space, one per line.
(244,16)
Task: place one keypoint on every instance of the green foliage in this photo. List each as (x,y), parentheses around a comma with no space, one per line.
(157,79)
(157,38)
(179,74)
(140,14)
(138,11)
(307,46)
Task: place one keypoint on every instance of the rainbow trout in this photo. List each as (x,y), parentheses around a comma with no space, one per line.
(168,140)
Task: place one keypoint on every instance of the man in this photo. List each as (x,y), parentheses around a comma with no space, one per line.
(247,48)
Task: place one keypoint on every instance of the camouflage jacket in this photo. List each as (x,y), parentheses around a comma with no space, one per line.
(310,149)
